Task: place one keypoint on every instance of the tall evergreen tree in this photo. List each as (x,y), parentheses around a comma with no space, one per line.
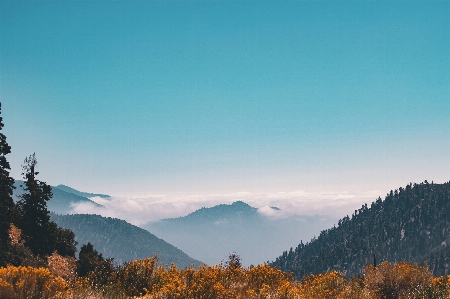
(41,235)
(6,191)
(34,216)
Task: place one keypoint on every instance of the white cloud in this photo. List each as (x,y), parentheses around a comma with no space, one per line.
(142,209)
(270,212)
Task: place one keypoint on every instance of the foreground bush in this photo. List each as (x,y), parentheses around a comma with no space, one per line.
(398,280)
(137,277)
(30,283)
(146,279)
(327,286)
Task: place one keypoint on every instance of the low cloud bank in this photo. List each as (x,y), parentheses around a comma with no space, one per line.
(144,209)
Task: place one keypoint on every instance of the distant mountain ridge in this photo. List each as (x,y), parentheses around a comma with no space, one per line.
(79,193)
(121,240)
(62,201)
(236,209)
(211,234)
(410,224)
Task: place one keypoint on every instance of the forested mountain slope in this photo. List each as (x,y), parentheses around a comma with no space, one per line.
(121,240)
(410,224)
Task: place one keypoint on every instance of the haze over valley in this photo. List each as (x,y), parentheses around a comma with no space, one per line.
(207,234)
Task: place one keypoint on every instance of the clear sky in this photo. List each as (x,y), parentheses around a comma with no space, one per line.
(201,97)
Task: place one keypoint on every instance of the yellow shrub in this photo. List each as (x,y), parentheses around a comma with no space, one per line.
(30,283)
(136,277)
(218,282)
(144,278)
(268,282)
(398,280)
(331,285)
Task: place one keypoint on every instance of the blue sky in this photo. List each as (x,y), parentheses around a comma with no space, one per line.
(203,97)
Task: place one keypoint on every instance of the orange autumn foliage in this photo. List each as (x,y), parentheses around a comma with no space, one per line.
(146,279)
(30,283)
(398,280)
(15,235)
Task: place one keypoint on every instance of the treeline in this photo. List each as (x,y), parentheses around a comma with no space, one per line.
(411,224)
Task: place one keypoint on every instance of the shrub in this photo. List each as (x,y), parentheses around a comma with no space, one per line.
(31,283)
(398,280)
(64,267)
(327,286)
(136,277)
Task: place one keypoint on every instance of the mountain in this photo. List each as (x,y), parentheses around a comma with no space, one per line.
(79,193)
(123,241)
(211,234)
(61,201)
(410,224)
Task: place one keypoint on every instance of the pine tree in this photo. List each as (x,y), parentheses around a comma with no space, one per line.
(34,216)
(88,260)
(6,191)
(234,261)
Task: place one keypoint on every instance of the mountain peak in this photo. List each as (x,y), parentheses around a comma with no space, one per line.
(241,204)
(236,207)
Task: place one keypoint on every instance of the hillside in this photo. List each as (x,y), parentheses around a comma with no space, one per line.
(79,193)
(410,224)
(211,234)
(62,200)
(121,240)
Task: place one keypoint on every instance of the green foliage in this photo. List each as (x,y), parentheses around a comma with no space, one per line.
(411,224)
(34,216)
(41,235)
(64,240)
(6,191)
(97,273)
(88,259)
(20,255)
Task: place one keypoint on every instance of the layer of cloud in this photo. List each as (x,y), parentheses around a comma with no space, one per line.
(144,209)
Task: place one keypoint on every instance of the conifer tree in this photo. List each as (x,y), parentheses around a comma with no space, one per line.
(34,216)
(6,191)
(88,260)
(234,261)
(41,235)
